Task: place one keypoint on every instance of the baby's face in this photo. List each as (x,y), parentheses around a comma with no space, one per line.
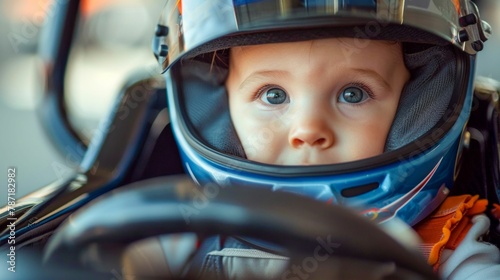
(315,102)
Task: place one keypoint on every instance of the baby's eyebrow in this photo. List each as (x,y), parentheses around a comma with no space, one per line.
(259,76)
(373,75)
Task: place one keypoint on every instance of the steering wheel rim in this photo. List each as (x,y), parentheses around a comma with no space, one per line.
(176,204)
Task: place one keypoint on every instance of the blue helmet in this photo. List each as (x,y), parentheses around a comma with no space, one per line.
(422,152)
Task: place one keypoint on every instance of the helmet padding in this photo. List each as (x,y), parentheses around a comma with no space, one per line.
(426,96)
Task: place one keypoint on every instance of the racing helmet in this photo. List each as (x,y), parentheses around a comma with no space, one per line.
(439,38)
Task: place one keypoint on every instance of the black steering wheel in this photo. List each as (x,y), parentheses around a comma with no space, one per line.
(158,206)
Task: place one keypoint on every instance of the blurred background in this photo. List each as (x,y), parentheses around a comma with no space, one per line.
(113,41)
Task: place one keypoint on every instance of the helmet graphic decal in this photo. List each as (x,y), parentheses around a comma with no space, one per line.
(388,212)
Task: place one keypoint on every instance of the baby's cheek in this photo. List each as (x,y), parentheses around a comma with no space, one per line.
(263,141)
(364,143)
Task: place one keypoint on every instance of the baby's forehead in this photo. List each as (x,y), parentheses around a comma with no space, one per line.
(329,47)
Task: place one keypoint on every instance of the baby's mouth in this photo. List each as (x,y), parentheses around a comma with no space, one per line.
(310,161)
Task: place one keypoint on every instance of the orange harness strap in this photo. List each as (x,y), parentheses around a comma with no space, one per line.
(495,212)
(447,226)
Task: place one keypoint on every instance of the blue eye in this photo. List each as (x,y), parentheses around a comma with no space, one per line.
(353,95)
(274,96)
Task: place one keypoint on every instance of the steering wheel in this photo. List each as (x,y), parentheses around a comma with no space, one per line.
(158,206)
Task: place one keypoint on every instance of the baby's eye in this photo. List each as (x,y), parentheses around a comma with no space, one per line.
(274,96)
(353,95)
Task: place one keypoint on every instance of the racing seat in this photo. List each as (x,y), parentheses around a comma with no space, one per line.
(479,171)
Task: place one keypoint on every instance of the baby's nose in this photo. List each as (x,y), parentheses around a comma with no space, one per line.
(314,132)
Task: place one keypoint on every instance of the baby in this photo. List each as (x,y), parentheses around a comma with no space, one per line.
(359,103)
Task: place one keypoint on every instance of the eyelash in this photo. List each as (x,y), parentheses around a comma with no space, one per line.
(261,91)
(359,84)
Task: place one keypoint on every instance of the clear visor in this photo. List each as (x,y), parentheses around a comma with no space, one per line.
(316,102)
